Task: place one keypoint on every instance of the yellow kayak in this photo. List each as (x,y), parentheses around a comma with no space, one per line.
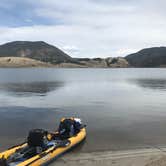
(55,149)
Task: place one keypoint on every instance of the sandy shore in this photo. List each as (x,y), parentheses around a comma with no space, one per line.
(141,157)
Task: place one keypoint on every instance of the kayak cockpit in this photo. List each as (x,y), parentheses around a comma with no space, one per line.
(28,152)
(42,146)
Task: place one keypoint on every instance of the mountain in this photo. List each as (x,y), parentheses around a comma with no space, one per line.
(149,57)
(29,54)
(38,50)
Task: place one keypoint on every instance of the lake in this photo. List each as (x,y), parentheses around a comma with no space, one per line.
(123,108)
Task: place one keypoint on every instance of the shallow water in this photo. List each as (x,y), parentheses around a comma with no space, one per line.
(123,108)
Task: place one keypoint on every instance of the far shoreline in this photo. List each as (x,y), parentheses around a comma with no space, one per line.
(23,62)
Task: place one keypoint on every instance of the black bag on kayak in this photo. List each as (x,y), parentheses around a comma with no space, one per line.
(3,162)
(66,128)
(36,137)
(69,127)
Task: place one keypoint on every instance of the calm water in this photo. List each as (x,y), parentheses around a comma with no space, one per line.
(123,108)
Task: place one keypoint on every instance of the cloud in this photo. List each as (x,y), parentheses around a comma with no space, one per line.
(28,20)
(70,49)
(89,28)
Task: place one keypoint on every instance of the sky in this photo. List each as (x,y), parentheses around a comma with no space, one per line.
(86,28)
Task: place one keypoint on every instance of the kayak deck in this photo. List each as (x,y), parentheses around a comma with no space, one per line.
(55,147)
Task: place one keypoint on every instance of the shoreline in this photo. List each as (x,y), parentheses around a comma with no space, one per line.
(138,157)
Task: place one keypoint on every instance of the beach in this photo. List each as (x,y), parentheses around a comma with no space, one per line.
(139,157)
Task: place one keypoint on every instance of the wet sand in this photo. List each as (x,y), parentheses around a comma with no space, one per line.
(139,157)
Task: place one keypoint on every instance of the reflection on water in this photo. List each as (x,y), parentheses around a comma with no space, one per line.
(30,88)
(153,84)
(119,110)
(15,122)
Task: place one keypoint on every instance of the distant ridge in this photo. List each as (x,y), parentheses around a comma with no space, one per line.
(50,55)
(37,50)
(149,57)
